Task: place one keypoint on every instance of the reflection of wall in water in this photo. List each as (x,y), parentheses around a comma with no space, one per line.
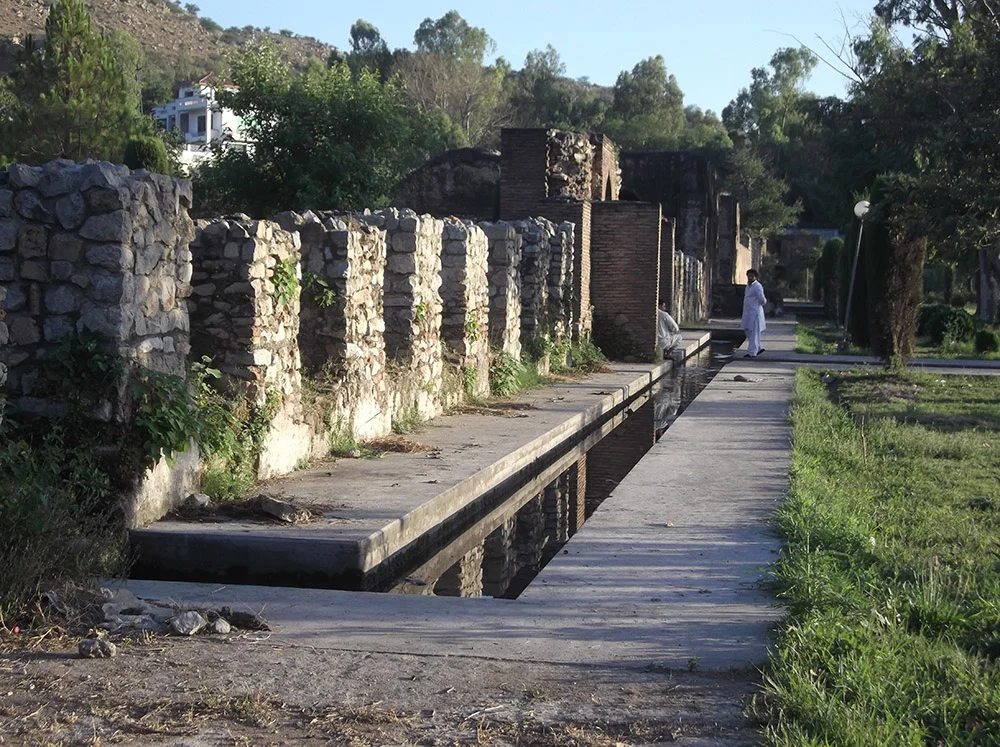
(465,578)
(617,453)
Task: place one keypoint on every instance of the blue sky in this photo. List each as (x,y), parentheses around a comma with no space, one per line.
(710,46)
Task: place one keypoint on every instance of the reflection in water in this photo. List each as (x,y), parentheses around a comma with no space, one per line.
(503,551)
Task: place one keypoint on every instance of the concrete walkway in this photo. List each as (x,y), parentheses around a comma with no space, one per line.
(666,572)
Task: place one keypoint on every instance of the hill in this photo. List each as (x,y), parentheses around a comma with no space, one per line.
(172,37)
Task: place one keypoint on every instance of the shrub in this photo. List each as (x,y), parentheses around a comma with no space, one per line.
(987,341)
(938,321)
(504,372)
(147,153)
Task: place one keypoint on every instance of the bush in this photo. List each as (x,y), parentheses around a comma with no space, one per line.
(987,341)
(147,153)
(504,372)
(938,321)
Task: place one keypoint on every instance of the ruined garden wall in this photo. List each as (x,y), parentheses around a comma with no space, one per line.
(524,166)
(95,249)
(465,295)
(625,263)
(668,282)
(607,176)
(570,165)
(504,277)
(578,213)
(342,323)
(560,281)
(413,310)
(245,318)
(536,236)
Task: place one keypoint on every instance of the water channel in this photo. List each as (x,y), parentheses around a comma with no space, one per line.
(519,530)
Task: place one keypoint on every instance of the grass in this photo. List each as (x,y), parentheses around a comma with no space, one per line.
(889,570)
(821,339)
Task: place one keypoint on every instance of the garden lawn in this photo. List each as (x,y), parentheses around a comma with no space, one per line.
(891,565)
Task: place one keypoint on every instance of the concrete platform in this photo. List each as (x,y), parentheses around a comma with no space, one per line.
(667,572)
(371,510)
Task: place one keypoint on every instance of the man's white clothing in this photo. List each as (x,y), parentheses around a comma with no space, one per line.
(753,315)
(668,333)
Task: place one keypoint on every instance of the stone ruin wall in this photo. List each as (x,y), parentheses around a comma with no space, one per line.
(571,165)
(466,303)
(504,278)
(536,235)
(413,310)
(387,305)
(342,325)
(95,249)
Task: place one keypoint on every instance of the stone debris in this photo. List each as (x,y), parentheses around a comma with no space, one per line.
(97,648)
(197,500)
(282,510)
(187,623)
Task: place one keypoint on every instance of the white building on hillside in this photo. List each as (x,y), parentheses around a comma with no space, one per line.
(200,119)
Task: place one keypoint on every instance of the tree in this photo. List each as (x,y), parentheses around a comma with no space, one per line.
(763,210)
(647,112)
(79,98)
(541,96)
(369,50)
(447,75)
(322,139)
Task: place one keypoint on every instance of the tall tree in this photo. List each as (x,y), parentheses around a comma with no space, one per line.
(369,50)
(647,112)
(541,96)
(79,98)
(447,75)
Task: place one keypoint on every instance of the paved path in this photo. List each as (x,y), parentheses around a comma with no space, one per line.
(665,572)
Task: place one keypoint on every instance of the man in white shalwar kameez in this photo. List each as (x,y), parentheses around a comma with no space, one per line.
(753,314)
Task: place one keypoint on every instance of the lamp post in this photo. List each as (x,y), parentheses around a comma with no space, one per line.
(861,211)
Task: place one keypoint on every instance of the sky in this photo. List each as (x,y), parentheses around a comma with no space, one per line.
(710,46)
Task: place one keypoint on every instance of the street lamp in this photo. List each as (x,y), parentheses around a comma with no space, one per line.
(861,211)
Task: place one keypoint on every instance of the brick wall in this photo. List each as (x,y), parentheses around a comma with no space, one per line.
(625,278)
(668,276)
(606,174)
(524,166)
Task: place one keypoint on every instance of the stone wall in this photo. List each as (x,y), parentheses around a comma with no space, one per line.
(560,281)
(342,321)
(94,250)
(504,276)
(466,303)
(536,236)
(463,183)
(245,305)
(570,165)
(578,213)
(413,310)
(668,281)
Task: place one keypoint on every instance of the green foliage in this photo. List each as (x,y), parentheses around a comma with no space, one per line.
(406,421)
(420,312)
(469,379)
(79,98)
(764,209)
(987,341)
(231,434)
(324,138)
(958,301)
(285,280)
(57,522)
(165,415)
(888,566)
(647,112)
(941,322)
(322,294)
(504,372)
(147,153)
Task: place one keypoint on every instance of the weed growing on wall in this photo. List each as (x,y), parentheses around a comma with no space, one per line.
(504,371)
(470,377)
(322,294)
(406,421)
(231,435)
(285,280)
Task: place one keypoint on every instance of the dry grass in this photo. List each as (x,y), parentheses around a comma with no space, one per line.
(395,444)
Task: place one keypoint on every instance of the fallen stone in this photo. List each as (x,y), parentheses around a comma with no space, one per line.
(281,510)
(187,623)
(97,648)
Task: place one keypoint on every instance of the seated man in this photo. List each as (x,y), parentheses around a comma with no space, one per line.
(668,333)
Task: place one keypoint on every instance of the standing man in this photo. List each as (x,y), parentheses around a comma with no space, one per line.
(753,314)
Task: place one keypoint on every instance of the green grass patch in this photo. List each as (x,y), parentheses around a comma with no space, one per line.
(820,339)
(890,566)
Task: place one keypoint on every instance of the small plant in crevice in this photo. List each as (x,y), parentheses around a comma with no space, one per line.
(420,312)
(322,294)
(471,330)
(285,280)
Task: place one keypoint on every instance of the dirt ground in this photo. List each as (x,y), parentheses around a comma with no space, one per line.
(250,688)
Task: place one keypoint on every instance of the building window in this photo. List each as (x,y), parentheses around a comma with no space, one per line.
(201,123)
(185,122)
(188,93)
(171,122)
